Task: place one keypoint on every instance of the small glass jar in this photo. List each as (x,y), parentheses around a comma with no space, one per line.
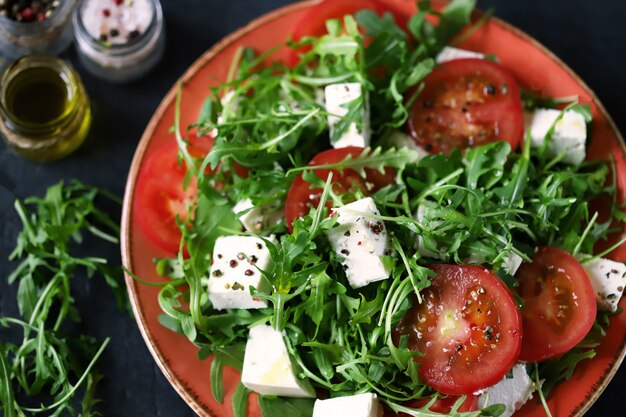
(104,56)
(51,35)
(44,109)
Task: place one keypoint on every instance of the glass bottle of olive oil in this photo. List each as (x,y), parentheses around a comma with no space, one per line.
(44,109)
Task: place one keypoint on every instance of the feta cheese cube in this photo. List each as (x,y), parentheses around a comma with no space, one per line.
(511,263)
(234,270)
(336,97)
(450,54)
(256,219)
(361,405)
(400,140)
(423,217)
(569,136)
(361,241)
(267,368)
(512,392)
(608,279)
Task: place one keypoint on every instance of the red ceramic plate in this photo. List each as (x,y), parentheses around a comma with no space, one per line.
(532,64)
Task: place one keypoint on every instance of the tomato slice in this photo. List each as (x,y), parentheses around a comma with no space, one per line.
(559,304)
(467,327)
(159,196)
(313,22)
(301,197)
(442,405)
(467,102)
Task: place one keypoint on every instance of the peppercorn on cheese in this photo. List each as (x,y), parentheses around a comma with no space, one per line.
(234,271)
(361,243)
(608,279)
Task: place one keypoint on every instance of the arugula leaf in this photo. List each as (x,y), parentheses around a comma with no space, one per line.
(6,388)
(46,360)
(373,159)
(240,400)
(286,406)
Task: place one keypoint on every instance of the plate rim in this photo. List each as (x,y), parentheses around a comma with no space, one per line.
(192,399)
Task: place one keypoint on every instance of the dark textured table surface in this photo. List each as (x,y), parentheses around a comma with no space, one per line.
(589,36)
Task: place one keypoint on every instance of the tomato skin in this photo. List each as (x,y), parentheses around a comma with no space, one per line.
(159,197)
(467,102)
(468,327)
(301,198)
(313,22)
(559,304)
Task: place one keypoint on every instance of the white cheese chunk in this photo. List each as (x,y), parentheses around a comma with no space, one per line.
(361,405)
(608,279)
(337,97)
(450,54)
(569,136)
(256,219)
(400,140)
(423,217)
(267,368)
(234,270)
(361,241)
(511,263)
(512,392)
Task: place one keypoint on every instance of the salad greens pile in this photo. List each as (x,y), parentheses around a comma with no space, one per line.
(480,206)
(50,362)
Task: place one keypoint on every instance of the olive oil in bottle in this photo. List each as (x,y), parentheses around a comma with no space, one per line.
(45,110)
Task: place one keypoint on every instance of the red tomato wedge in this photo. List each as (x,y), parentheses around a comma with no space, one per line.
(159,196)
(467,102)
(313,22)
(301,197)
(559,304)
(442,405)
(467,327)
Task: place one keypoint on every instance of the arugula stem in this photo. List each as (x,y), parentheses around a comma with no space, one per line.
(540,391)
(182,145)
(295,127)
(43,298)
(606,251)
(584,234)
(6,388)
(437,185)
(73,390)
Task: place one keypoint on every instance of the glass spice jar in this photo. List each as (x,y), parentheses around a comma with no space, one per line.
(44,28)
(119,40)
(44,109)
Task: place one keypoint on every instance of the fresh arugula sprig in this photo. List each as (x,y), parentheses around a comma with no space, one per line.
(48,363)
(406,59)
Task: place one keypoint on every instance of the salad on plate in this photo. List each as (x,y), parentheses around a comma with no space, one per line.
(384,223)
